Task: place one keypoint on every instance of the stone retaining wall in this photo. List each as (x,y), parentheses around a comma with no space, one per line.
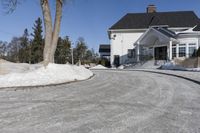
(193,62)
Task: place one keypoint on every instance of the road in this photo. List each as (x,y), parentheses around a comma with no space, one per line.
(110,102)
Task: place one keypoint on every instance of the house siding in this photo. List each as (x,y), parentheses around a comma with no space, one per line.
(121,43)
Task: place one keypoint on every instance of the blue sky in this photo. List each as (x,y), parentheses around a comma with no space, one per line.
(86,18)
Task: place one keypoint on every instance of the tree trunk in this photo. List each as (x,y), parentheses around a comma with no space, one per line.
(56,29)
(48,30)
(51,34)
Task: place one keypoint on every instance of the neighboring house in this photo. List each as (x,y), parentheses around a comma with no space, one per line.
(104,51)
(160,35)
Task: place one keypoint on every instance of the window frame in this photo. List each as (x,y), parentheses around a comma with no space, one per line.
(182,46)
(130,53)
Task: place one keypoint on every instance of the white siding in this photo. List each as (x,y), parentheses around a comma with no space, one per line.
(121,42)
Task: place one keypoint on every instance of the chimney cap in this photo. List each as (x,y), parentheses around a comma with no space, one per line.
(151,5)
(151,8)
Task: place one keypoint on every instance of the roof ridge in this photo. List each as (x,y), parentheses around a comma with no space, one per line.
(161,12)
(144,20)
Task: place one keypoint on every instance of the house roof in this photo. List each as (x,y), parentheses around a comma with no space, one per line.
(104,48)
(166,31)
(153,34)
(144,20)
(197,28)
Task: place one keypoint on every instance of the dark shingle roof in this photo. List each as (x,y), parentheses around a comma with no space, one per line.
(197,28)
(104,48)
(144,20)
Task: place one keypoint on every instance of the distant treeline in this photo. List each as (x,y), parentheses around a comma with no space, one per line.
(29,48)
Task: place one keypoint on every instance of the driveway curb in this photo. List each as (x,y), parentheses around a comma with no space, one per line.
(151,71)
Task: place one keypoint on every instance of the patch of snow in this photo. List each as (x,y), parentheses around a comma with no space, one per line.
(9,67)
(99,67)
(171,66)
(86,66)
(193,69)
(121,67)
(38,75)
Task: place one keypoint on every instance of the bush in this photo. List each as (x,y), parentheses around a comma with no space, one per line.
(104,62)
(198,52)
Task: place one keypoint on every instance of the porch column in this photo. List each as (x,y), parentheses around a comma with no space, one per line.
(187,50)
(170,50)
(138,52)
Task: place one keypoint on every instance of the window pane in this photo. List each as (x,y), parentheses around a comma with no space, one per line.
(182,51)
(192,44)
(173,52)
(182,44)
(191,51)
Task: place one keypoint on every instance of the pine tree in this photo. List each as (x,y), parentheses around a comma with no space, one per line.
(37,45)
(62,54)
(198,52)
(24,48)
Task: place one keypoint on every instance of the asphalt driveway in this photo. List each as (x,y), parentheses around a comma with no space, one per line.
(110,102)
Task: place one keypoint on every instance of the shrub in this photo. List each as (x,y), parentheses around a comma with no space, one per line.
(198,52)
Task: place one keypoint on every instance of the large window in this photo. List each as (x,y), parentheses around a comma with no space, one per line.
(191,51)
(182,51)
(192,48)
(173,52)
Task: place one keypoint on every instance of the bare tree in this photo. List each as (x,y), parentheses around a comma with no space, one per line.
(51,30)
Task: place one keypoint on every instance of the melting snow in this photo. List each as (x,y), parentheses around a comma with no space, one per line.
(17,74)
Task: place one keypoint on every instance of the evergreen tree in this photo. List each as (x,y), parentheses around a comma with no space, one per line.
(37,44)
(62,54)
(88,55)
(198,52)
(24,48)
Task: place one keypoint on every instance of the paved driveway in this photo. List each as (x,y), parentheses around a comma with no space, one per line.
(111,102)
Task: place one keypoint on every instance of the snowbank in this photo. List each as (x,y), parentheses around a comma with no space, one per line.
(99,67)
(172,66)
(121,67)
(52,74)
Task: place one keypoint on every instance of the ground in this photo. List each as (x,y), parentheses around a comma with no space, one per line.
(110,102)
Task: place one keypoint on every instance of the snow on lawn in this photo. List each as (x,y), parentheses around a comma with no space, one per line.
(99,67)
(172,66)
(52,74)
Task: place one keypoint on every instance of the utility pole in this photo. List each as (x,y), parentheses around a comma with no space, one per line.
(72,49)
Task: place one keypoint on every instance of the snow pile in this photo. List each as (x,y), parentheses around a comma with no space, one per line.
(99,67)
(9,67)
(121,67)
(172,66)
(52,74)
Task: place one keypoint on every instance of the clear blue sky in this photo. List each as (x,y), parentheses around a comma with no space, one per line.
(86,18)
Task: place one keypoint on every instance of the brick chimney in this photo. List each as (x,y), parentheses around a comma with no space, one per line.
(151,9)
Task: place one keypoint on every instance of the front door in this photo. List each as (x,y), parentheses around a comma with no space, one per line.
(160,53)
(116,60)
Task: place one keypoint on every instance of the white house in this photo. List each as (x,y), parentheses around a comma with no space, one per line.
(160,35)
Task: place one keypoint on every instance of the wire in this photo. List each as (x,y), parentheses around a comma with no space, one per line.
(9,33)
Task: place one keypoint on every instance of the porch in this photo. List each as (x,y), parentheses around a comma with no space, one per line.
(156,42)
